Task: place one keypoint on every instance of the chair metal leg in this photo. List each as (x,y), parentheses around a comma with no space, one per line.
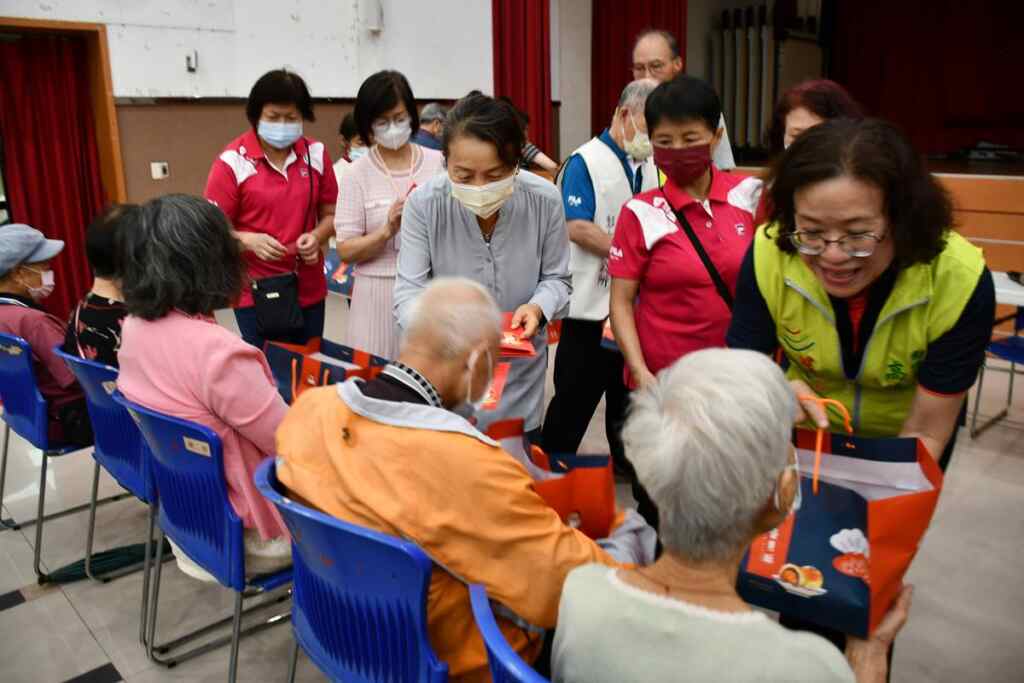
(975,430)
(147,563)
(154,600)
(40,576)
(236,629)
(3,475)
(1009,393)
(293,661)
(152,650)
(92,525)
(977,401)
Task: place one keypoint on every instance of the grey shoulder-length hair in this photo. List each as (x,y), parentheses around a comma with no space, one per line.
(181,255)
(709,442)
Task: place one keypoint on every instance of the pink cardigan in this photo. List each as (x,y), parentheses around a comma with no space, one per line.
(194,369)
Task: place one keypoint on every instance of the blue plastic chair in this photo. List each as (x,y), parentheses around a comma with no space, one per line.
(505,663)
(1009,349)
(25,413)
(121,451)
(359,609)
(193,509)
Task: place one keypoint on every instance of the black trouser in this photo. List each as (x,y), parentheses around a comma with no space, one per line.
(584,371)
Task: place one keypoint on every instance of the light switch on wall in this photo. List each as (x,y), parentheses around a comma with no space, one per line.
(159,169)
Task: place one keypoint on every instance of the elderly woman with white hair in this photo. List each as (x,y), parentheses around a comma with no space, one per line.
(710,441)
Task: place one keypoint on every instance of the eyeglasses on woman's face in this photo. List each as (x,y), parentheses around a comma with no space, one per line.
(856,244)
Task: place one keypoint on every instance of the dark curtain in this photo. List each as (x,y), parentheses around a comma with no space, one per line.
(51,166)
(946,71)
(522,61)
(615,27)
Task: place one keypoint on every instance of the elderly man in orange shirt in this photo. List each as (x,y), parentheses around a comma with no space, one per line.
(391,455)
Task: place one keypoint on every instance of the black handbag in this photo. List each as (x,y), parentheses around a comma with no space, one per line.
(276,298)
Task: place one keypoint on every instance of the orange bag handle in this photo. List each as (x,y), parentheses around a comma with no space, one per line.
(820,437)
(295,385)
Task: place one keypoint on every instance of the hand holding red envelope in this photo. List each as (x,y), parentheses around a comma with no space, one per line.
(512,346)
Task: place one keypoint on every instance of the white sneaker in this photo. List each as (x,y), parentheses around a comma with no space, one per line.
(188,566)
(265,557)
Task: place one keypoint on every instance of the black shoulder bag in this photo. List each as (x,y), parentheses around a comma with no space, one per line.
(709,265)
(276,298)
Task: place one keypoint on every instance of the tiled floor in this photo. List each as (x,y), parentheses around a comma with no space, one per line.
(966,623)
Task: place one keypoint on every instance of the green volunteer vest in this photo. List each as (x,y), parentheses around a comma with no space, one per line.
(926,301)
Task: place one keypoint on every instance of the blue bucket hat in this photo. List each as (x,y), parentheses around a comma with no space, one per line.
(20,243)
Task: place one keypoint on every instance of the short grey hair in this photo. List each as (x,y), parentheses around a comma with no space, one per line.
(634,95)
(180,255)
(709,442)
(452,315)
(433,112)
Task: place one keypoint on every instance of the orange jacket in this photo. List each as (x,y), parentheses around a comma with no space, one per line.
(427,475)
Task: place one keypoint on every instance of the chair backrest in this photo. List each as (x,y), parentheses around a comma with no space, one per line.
(187,467)
(24,406)
(119,446)
(505,664)
(359,606)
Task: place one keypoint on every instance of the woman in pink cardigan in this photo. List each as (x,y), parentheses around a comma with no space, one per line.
(180,265)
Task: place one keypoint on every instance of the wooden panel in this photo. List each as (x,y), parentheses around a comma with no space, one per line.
(1003,257)
(996,226)
(108,138)
(189,135)
(985,193)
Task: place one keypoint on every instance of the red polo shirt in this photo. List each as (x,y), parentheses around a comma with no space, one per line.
(678,309)
(256,197)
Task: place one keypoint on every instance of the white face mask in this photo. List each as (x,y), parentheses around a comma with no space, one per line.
(393,134)
(484,200)
(46,288)
(479,403)
(640,146)
(356,153)
(799,496)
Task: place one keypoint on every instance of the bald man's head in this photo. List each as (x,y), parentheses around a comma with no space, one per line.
(450,317)
(656,54)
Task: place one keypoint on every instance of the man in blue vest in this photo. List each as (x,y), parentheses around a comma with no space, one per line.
(596,181)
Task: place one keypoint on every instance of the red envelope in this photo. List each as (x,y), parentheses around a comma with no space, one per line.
(497,387)
(511,345)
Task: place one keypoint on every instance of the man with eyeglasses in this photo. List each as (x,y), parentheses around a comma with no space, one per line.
(656,55)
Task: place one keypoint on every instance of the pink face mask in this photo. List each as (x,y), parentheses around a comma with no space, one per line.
(683,166)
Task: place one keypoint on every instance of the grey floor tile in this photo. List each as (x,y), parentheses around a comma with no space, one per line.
(45,641)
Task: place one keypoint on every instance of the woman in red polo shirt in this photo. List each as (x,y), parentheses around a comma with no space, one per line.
(677,250)
(271,184)
(665,301)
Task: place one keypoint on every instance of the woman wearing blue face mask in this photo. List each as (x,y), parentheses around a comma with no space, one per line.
(271,184)
(503,228)
(371,196)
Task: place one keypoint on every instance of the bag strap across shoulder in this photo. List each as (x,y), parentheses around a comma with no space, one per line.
(709,265)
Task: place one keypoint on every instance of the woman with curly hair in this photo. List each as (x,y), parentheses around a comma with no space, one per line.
(861,280)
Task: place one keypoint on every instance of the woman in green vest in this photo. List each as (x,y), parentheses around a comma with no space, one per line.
(861,281)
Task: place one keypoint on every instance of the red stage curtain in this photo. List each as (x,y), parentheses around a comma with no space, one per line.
(522,61)
(51,166)
(947,72)
(615,28)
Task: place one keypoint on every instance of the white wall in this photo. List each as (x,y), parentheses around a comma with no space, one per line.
(570,65)
(443,47)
